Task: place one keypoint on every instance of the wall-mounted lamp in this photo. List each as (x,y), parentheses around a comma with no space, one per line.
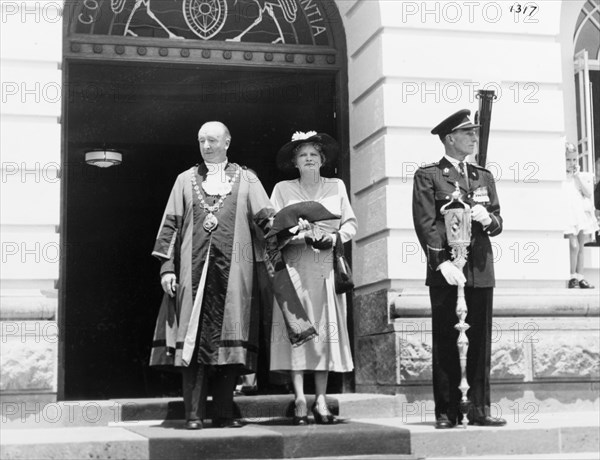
(103,158)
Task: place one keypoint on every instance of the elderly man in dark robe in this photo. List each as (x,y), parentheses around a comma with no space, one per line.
(209,318)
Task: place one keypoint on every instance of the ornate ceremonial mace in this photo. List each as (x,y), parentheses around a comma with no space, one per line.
(457,217)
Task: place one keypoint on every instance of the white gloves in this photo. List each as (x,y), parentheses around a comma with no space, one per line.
(480,214)
(169,283)
(452,274)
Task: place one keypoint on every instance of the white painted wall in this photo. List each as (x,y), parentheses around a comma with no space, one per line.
(30,59)
(31,53)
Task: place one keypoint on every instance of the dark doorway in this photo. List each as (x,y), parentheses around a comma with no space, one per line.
(111,216)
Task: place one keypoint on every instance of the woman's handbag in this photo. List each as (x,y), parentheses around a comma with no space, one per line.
(341,268)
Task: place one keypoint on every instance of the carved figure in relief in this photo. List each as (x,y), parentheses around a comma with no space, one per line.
(117,7)
(288,7)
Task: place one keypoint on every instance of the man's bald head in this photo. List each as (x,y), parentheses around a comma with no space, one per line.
(214,139)
(217,125)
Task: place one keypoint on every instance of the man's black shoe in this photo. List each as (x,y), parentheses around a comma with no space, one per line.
(443,423)
(583,284)
(488,421)
(249,390)
(226,423)
(193,425)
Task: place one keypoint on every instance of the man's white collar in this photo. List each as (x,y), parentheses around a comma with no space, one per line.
(214,169)
(454,161)
(216,181)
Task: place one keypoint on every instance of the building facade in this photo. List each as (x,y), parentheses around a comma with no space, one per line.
(79,291)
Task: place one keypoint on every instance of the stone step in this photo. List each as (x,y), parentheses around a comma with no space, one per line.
(516,405)
(552,436)
(365,457)
(250,408)
(169,440)
(562,434)
(267,406)
(246,407)
(570,456)
(562,456)
(508,302)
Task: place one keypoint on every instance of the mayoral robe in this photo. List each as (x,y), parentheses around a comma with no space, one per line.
(216,304)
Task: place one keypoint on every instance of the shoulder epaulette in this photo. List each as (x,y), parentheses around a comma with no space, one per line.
(430,165)
(475,165)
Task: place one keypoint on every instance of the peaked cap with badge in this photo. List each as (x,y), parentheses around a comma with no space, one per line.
(458,120)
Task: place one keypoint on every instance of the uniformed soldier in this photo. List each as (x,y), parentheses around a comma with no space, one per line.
(433,187)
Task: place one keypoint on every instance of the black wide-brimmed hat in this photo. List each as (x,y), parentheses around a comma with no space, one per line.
(287,217)
(286,153)
(458,120)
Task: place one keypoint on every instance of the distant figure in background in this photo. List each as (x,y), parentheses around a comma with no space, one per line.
(580,220)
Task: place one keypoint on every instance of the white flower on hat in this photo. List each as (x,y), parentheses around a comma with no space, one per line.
(299,135)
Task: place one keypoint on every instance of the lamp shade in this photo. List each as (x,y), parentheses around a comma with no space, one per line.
(103,158)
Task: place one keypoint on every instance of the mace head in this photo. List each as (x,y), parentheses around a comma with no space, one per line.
(456,193)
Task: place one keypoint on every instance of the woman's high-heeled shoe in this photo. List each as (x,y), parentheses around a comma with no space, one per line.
(323,419)
(300,420)
(299,409)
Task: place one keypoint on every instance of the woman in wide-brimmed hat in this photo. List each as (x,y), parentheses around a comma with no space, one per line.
(309,255)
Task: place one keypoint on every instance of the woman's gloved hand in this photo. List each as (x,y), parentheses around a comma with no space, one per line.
(325,242)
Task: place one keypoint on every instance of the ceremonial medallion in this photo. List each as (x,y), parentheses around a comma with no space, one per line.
(210,222)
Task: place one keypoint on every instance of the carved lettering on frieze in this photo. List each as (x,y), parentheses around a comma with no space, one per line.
(297,22)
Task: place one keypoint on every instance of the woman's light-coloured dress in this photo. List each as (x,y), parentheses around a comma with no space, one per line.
(579,213)
(330,350)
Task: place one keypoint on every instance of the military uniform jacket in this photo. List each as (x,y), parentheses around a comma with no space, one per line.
(433,187)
